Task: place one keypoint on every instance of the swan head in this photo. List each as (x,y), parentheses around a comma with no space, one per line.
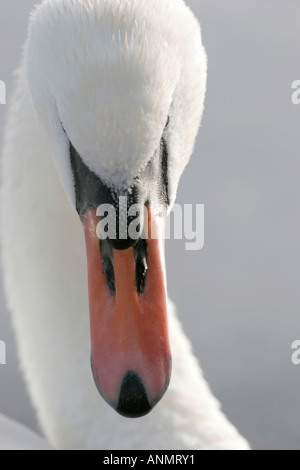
(119,88)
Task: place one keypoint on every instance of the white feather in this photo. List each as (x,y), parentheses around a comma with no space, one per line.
(112,72)
(14,436)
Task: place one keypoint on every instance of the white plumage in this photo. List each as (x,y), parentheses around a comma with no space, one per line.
(111,72)
(14,436)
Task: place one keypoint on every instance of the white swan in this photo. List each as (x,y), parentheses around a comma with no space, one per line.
(14,436)
(105,75)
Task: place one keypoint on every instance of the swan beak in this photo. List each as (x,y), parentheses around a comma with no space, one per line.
(130,352)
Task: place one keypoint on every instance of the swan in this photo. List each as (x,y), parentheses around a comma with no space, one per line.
(107,105)
(14,436)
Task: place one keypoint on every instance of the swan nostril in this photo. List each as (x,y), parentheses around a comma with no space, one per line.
(133,401)
(108,267)
(141,267)
(140,258)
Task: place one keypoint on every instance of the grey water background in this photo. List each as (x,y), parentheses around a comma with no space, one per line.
(239,297)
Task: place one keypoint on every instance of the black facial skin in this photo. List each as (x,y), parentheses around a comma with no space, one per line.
(150,185)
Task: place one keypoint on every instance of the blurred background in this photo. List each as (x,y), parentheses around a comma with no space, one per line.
(239,297)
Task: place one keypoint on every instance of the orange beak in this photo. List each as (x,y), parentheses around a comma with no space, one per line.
(130,350)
